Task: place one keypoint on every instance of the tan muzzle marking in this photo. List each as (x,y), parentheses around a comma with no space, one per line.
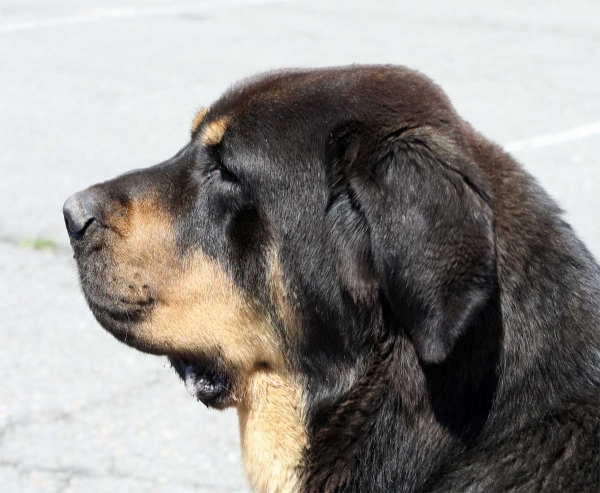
(200,311)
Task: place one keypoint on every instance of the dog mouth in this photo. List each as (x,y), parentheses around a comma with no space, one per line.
(124,308)
(119,315)
(119,304)
(203,381)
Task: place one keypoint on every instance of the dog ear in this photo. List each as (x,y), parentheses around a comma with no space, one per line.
(347,223)
(426,231)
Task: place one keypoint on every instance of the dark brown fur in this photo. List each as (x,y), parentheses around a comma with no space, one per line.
(409,312)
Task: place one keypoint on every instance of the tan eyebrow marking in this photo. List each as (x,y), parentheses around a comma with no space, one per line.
(199,118)
(215,131)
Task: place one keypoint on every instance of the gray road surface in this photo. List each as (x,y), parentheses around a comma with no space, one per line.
(91,89)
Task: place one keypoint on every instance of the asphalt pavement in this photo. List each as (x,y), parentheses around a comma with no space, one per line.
(89,90)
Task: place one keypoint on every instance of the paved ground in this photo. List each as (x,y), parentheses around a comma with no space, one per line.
(87,93)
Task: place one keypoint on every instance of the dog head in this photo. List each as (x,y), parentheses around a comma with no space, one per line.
(309,212)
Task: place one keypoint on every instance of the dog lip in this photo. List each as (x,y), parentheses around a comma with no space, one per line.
(114,304)
(120,321)
(201,383)
(122,312)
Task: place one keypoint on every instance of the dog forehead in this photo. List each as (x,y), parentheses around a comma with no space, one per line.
(281,108)
(300,83)
(312,99)
(285,89)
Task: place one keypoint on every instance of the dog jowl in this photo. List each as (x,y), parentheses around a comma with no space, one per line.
(386,298)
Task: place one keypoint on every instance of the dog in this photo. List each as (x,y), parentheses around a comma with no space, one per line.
(387,298)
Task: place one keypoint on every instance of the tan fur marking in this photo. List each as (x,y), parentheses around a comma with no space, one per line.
(202,312)
(280,295)
(273,433)
(199,118)
(214,131)
(199,310)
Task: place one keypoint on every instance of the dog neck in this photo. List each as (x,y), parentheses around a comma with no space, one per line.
(273,433)
(550,287)
(408,419)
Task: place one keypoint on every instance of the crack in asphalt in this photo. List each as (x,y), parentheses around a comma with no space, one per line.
(57,415)
(66,475)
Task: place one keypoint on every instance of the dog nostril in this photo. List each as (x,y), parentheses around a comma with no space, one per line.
(79,213)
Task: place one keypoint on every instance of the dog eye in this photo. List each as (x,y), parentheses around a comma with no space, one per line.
(225,173)
(216,167)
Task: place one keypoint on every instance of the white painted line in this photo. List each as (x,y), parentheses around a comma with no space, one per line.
(100,14)
(547,140)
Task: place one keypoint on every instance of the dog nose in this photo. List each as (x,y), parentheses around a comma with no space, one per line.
(79,212)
